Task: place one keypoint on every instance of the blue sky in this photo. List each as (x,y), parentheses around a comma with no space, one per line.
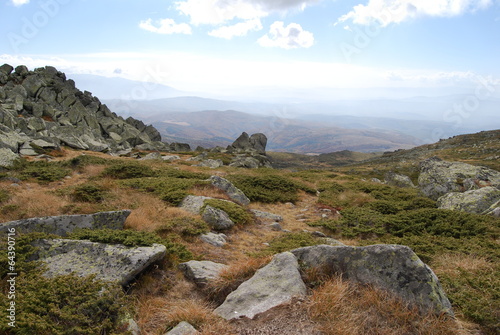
(238,46)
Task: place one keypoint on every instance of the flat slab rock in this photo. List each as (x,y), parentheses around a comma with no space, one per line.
(273,285)
(64,224)
(393,268)
(109,262)
(201,272)
(232,191)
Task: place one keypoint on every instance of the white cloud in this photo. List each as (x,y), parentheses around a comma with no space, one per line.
(289,37)
(165,26)
(20,2)
(386,12)
(224,76)
(238,29)
(221,11)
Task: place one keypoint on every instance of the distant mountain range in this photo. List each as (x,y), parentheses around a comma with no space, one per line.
(219,128)
(295,125)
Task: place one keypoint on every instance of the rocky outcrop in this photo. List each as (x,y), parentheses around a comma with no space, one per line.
(394,268)
(438,177)
(44,106)
(183,328)
(482,201)
(217,218)
(256,142)
(275,284)
(250,151)
(201,272)
(179,147)
(193,204)
(398,180)
(114,263)
(64,224)
(232,191)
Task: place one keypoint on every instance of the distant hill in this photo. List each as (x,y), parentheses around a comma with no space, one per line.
(219,128)
(481,148)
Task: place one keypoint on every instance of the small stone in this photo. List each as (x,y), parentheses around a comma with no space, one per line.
(275,226)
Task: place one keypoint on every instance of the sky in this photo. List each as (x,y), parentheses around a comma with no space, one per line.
(244,47)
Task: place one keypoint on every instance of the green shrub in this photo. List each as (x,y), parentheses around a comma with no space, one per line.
(182,174)
(171,190)
(4,196)
(361,222)
(237,214)
(269,188)
(383,192)
(44,171)
(427,246)
(477,295)
(89,193)
(24,250)
(132,238)
(419,202)
(128,171)
(385,206)
(331,187)
(438,222)
(65,305)
(183,226)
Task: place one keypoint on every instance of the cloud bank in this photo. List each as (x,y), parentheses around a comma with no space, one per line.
(386,12)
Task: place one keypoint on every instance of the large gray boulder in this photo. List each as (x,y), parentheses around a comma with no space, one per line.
(7,158)
(394,268)
(480,201)
(183,328)
(232,191)
(273,285)
(201,272)
(115,263)
(217,218)
(193,203)
(398,180)
(438,177)
(65,224)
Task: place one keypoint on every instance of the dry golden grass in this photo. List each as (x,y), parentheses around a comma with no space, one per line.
(31,200)
(342,308)
(149,212)
(156,314)
(452,264)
